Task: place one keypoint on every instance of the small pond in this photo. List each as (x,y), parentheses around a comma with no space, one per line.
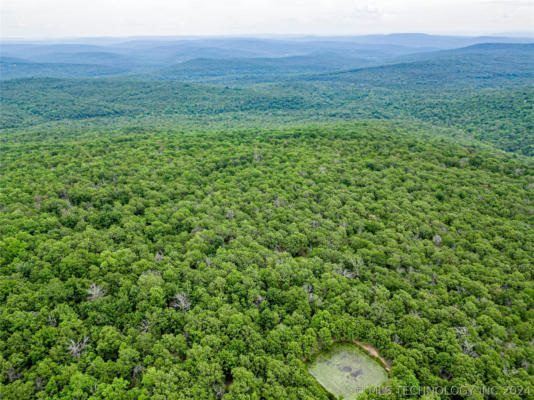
(346,370)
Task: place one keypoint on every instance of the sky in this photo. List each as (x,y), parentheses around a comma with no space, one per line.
(35,19)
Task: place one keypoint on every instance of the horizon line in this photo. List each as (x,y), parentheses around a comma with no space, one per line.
(521,35)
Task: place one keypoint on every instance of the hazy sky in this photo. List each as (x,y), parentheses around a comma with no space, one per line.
(77,18)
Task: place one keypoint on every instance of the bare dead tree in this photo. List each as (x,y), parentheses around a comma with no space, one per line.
(257,155)
(77,348)
(181,302)
(12,375)
(461,330)
(230,214)
(39,384)
(95,292)
(356,262)
(396,339)
(158,256)
(94,388)
(138,369)
(345,273)
(52,321)
(259,300)
(145,326)
(152,272)
(219,390)
(308,289)
(469,349)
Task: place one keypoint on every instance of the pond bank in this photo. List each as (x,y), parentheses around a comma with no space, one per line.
(347,369)
(374,352)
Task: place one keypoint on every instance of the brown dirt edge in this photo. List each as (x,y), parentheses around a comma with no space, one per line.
(374,352)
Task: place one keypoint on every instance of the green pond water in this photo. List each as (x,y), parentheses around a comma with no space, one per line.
(346,370)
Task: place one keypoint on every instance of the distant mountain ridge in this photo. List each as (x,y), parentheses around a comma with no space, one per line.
(160,58)
(480,65)
(211,70)
(14,68)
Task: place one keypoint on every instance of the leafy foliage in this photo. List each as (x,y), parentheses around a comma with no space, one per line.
(212,265)
(145,255)
(500,117)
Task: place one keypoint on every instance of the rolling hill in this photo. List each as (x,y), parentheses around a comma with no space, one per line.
(255,70)
(13,68)
(203,218)
(483,65)
(158,58)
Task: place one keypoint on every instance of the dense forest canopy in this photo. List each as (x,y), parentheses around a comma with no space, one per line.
(502,117)
(275,242)
(205,220)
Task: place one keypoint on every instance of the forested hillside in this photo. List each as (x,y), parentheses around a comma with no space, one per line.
(31,101)
(22,68)
(240,70)
(205,218)
(485,65)
(158,58)
(241,59)
(196,265)
(501,117)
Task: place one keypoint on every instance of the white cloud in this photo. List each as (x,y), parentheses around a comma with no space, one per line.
(60,18)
